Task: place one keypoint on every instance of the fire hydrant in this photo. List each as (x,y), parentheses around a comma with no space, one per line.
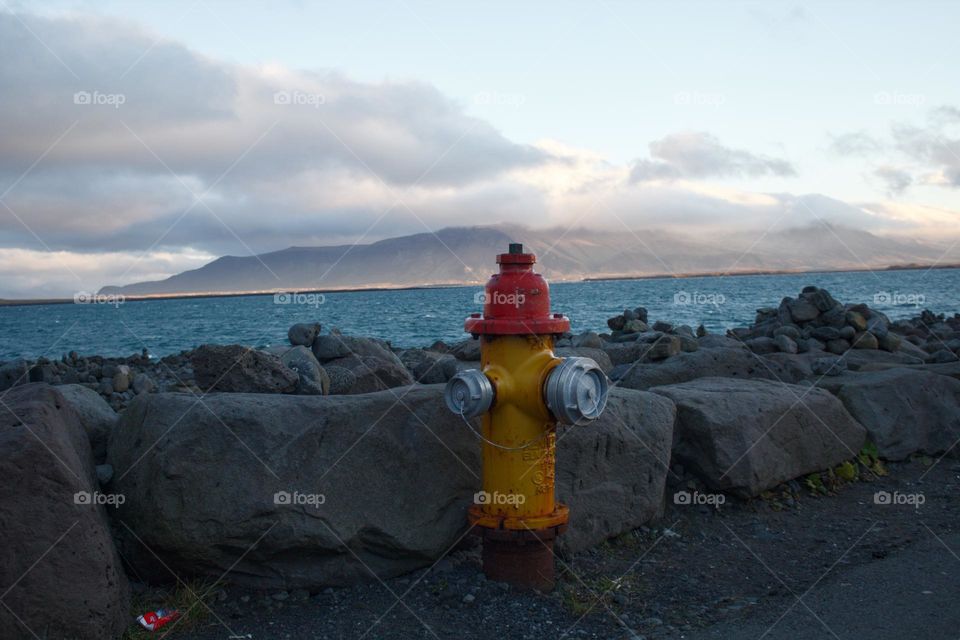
(522,391)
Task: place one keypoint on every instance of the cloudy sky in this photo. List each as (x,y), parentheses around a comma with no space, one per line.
(139,139)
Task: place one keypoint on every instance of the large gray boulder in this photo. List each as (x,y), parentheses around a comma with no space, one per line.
(303,334)
(239,369)
(429,367)
(312,378)
(612,473)
(905,411)
(746,436)
(716,341)
(396,478)
(727,363)
(336,345)
(859,358)
(13,373)
(372,373)
(951,369)
(61,573)
(468,350)
(341,380)
(597,355)
(96,416)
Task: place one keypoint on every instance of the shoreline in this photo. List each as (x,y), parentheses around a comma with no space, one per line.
(774,272)
(680,276)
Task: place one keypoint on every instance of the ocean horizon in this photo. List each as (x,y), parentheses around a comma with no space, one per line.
(416,317)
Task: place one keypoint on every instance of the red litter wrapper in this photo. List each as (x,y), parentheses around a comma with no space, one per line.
(154,620)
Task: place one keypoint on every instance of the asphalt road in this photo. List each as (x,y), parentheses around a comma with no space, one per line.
(913,594)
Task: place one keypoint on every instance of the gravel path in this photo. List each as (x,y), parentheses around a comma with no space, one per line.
(862,569)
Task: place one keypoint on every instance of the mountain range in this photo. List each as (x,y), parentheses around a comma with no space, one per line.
(466,255)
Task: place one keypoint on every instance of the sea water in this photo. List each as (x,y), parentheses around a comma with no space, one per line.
(418,317)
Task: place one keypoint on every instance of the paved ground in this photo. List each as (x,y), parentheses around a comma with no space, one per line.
(913,594)
(860,570)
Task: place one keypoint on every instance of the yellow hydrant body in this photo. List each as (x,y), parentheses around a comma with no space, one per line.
(518,475)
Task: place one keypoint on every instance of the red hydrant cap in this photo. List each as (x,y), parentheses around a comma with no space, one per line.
(516,301)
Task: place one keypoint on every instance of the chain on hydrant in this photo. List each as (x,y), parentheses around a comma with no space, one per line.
(522,392)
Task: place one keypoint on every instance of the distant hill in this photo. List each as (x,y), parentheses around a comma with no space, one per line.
(465,255)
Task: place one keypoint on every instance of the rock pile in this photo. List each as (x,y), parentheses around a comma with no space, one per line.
(632,339)
(934,334)
(118,380)
(815,321)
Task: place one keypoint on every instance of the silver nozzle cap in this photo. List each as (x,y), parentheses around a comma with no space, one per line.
(469,393)
(576,391)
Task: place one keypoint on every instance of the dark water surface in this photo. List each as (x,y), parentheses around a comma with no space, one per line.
(417,317)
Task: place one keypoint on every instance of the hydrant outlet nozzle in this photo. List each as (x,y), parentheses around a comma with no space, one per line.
(469,393)
(576,391)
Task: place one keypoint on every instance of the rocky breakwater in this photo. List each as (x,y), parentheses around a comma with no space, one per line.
(332,460)
(305,491)
(747,415)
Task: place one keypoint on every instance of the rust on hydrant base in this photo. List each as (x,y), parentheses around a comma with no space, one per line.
(520,559)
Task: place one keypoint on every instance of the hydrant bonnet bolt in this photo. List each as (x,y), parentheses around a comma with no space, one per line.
(576,391)
(469,393)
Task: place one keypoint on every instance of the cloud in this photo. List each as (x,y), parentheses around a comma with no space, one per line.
(114,141)
(896,179)
(933,149)
(127,158)
(857,143)
(930,150)
(701,155)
